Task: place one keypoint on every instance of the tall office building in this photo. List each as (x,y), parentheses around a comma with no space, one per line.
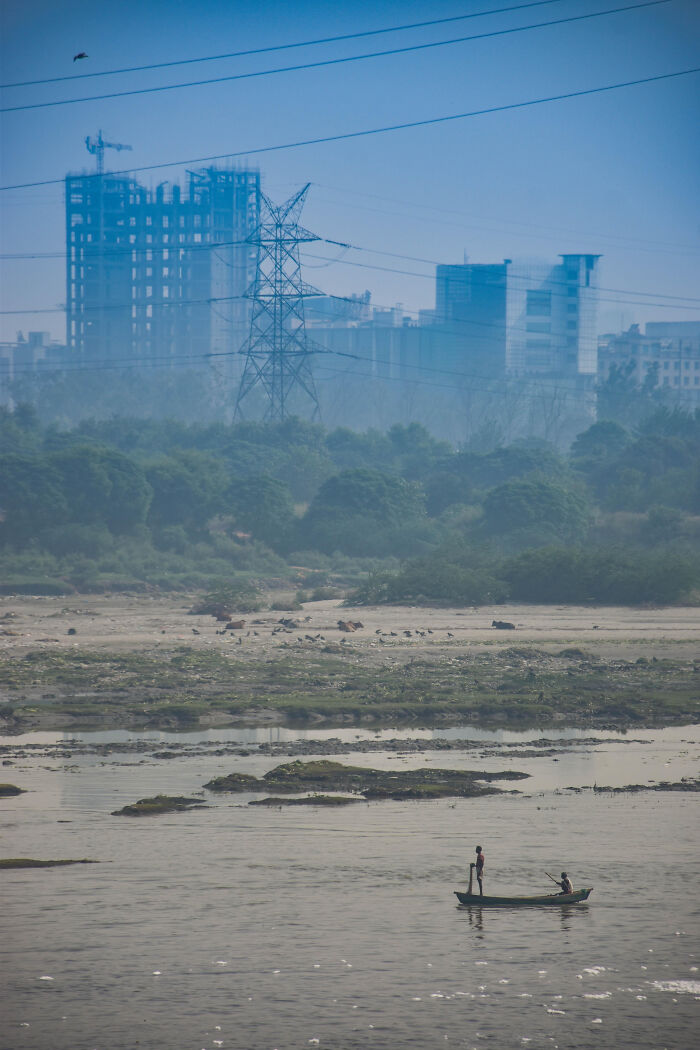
(157,274)
(551,317)
(523,318)
(470,307)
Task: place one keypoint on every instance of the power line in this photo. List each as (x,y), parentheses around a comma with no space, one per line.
(512,274)
(495,382)
(172,302)
(555,394)
(128,305)
(376,131)
(635,241)
(213,246)
(524,277)
(282,47)
(329,61)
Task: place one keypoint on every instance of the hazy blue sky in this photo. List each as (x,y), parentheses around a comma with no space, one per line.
(615,174)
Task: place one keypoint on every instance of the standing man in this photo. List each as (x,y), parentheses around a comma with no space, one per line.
(480,861)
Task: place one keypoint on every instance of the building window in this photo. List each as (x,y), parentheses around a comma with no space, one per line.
(539,326)
(571,308)
(539,304)
(571,324)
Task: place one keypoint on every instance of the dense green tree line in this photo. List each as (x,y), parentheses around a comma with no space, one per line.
(615,520)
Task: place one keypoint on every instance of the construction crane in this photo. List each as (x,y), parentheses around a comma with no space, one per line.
(98,147)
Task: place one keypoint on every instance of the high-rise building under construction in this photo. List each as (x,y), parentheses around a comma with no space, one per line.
(159,274)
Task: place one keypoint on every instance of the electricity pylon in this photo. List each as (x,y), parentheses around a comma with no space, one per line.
(277,353)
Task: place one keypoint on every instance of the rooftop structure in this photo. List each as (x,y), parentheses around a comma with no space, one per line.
(523,318)
(159,273)
(668,363)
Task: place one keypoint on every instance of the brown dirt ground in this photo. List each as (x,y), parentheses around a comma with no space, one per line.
(124,623)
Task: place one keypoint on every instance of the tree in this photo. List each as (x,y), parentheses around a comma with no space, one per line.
(350,450)
(263,506)
(607,575)
(19,430)
(188,489)
(31,497)
(536,505)
(415,450)
(353,508)
(602,442)
(102,485)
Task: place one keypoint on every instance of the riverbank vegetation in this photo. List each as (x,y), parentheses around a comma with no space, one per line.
(372,784)
(133,504)
(187,687)
(148,807)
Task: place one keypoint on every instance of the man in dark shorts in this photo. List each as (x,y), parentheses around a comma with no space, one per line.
(480,861)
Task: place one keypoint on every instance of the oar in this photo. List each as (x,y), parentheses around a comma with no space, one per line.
(552,878)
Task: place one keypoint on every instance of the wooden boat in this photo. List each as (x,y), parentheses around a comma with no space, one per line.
(521,902)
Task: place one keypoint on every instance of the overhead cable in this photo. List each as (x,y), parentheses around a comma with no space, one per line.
(329,61)
(342,136)
(282,47)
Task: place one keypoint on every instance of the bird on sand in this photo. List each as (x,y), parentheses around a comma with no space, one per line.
(81,54)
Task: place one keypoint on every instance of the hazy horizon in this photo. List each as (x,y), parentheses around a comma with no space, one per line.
(612,174)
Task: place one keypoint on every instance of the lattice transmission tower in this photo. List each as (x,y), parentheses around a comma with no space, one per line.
(278,353)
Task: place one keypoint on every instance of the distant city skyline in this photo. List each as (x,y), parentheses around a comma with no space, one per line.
(613,174)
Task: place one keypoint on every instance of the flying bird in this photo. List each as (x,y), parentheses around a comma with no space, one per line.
(81,54)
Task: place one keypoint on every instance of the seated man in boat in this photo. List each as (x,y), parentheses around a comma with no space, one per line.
(566,884)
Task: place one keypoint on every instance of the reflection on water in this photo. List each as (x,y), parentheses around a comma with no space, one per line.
(283,734)
(583,758)
(567,914)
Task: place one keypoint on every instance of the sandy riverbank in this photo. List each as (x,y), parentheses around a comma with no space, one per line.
(141,661)
(123,623)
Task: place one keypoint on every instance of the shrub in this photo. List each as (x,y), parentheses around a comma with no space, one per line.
(235,596)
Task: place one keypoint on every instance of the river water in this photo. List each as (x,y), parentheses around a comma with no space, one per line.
(253,928)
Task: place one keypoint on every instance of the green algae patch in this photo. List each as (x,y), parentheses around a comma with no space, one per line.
(185,687)
(146,807)
(687,784)
(30,862)
(296,777)
(307,800)
(8,790)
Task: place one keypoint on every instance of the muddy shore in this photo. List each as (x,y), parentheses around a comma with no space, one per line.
(144,661)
